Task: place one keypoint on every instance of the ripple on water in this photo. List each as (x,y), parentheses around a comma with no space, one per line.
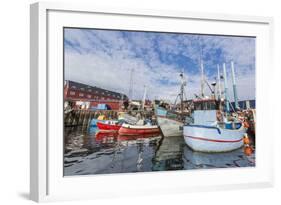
(88,153)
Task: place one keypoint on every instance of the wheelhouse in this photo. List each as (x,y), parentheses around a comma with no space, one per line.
(206,104)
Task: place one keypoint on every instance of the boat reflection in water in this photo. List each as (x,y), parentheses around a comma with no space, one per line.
(168,155)
(104,153)
(201,160)
(107,152)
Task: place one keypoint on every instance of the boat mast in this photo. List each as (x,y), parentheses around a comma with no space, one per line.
(219,82)
(202,77)
(225,89)
(131,84)
(181,91)
(143,99)
(201,67)
(234,87)
(181,94)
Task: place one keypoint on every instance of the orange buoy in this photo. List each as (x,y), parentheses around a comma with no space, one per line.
(246,140)
(248,150)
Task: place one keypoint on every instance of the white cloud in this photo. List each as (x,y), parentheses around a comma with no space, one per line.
(105,59)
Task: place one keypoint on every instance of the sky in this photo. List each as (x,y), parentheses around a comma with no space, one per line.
(110,59)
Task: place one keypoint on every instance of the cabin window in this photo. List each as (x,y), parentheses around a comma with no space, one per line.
(211,105)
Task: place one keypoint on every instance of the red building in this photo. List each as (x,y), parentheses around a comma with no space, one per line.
(92,96)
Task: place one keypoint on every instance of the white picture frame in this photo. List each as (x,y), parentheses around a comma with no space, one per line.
(46,180)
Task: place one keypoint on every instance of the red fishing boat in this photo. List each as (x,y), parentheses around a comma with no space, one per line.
(109,125)
(127,129)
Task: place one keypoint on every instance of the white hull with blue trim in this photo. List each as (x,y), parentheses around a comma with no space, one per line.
(212,130)
(213,139)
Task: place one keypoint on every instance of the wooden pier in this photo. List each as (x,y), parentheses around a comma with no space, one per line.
(82,118)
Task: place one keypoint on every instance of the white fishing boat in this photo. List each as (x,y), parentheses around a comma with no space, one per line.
(171,123)
(212,132)
(170,127)
(214,129)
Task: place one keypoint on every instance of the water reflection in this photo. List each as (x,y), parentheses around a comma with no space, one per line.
(168,155)
(101,153)
(199,160)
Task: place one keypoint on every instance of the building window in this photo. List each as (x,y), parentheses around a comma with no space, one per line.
(72,93)
(90,90)
(89,96)
(74,87)
(81,94)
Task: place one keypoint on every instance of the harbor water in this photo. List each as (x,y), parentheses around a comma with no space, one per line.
(91,152)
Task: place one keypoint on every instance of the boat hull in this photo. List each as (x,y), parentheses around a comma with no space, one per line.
(170,127)
(213,139)
(138,130)
(107,126)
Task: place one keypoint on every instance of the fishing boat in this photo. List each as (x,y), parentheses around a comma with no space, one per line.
(127,129)
(211,131)
(171,123)
(170,127)
(123,116)
(160,111)
(109,125)
(214,128)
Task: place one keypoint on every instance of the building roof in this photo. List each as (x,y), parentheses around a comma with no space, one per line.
(94,90)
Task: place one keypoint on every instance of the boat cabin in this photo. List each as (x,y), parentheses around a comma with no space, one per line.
(206,104)
(205,111)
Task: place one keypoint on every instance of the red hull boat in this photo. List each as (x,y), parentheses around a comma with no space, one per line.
(109,125)
(138,129)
